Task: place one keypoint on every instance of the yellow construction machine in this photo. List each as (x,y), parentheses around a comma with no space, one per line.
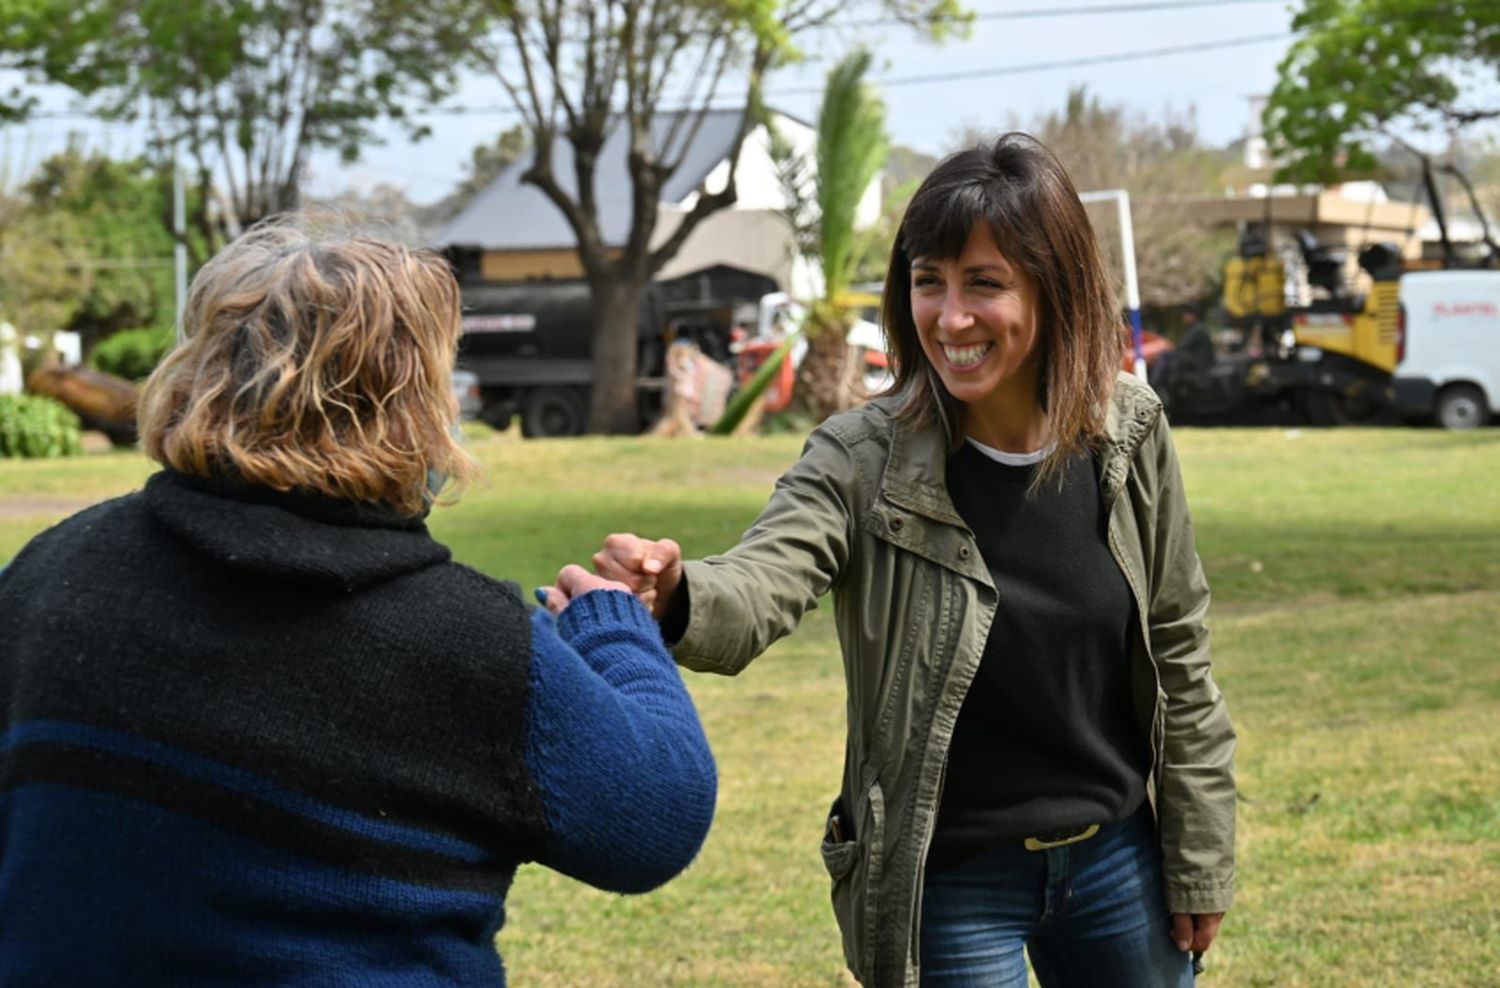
(1328,360)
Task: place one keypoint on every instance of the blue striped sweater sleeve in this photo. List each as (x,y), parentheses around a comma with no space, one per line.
(626,775)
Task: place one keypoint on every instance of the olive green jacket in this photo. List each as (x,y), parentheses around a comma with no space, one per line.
(865,513)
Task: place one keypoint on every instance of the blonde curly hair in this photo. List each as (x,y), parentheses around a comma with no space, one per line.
(314,363)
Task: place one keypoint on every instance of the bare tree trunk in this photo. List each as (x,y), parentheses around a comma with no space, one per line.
(617,315)
(824,377)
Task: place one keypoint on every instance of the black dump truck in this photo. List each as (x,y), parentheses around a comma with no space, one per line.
(530,342)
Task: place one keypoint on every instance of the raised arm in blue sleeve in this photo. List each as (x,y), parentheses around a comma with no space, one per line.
(627,778)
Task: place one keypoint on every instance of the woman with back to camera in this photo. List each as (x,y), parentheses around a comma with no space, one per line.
(257,727)
(1037,754)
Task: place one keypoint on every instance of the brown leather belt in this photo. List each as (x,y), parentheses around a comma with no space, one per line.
(1045,842)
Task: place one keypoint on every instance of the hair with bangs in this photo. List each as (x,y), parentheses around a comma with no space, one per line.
(314,363)
(1017,187)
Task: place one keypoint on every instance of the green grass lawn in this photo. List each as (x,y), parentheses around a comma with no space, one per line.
(1356,633)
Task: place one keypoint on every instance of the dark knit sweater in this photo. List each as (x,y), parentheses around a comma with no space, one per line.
(1046,738)
(253,738)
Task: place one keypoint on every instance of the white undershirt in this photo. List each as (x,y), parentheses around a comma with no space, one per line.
(1013,459)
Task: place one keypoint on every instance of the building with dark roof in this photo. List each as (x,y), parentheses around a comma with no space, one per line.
(511,231)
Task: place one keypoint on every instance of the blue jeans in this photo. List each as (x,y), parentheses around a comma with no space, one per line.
(1090,915)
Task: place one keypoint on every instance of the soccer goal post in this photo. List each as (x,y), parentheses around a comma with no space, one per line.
(1117,239)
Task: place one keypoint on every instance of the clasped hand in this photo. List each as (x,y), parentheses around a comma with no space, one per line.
(651,570)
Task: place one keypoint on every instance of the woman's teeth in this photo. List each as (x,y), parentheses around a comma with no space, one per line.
(966,356)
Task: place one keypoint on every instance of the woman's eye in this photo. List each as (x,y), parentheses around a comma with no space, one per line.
(988,283)
(923,280)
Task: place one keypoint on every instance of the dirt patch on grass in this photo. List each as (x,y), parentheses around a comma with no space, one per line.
(32,506)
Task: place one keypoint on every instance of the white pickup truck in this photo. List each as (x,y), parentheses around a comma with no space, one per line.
(1448,355)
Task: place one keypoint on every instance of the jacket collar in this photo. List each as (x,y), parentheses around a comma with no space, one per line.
(915,471)
(915,474)
(1132,414)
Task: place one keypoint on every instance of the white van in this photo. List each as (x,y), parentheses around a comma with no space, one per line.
(1448,355)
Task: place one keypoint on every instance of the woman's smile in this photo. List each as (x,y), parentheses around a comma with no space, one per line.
(967,356)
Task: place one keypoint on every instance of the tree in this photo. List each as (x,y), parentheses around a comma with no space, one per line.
(1366,68)
(38,284)
(1158,163)
(904,170)
(248,88)
(852,147)
(576,72)
(486,162)
(119,251)
(384,211)
(82,248)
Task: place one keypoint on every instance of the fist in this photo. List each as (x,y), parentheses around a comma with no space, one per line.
(573,582)
(651,570)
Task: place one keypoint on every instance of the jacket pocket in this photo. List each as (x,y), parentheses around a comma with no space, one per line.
(855,864)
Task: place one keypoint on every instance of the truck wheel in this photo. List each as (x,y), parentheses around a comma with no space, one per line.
(1324,408)
(1461,406)
(549,412)
(497,407)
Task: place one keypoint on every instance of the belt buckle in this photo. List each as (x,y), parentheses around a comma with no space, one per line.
(1043,844)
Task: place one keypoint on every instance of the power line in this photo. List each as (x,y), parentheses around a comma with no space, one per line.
(1124,8)
(1066,63)
(1044,12)
(919,80)
(1143,6)
(1033,13)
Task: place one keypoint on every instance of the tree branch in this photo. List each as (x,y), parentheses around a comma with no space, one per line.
(543,112)
(614,63)
(551,24)
(311,81)
(709,203)
(697,115)
(801,16)
(670,139)
(591,247)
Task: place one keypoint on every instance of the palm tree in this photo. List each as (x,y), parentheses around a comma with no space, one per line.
(852,148)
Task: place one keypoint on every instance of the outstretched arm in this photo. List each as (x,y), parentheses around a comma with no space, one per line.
(720,613)
(627,779)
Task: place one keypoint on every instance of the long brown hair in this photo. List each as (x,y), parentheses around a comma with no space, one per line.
(314,364)
(1017,187)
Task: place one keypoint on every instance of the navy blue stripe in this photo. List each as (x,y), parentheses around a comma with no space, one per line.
(174,900)
(207,770)
(150,784)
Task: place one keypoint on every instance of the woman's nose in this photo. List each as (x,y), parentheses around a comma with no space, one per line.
(954,315)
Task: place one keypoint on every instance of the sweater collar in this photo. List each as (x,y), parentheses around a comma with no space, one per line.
(298,536)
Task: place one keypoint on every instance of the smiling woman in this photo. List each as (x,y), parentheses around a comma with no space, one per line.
(1037,758)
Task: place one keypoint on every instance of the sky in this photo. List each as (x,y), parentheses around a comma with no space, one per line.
(1002,81)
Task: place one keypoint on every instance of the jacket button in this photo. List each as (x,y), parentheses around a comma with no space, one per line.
(963,552)
(896,522)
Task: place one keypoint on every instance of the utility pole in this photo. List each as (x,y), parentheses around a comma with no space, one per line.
(179,231)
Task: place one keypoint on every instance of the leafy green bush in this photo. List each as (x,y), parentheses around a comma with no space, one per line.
(132,353)
(36,427)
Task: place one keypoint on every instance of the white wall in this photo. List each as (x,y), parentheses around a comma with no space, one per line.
(752,239)
(752,234)
(10,360)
